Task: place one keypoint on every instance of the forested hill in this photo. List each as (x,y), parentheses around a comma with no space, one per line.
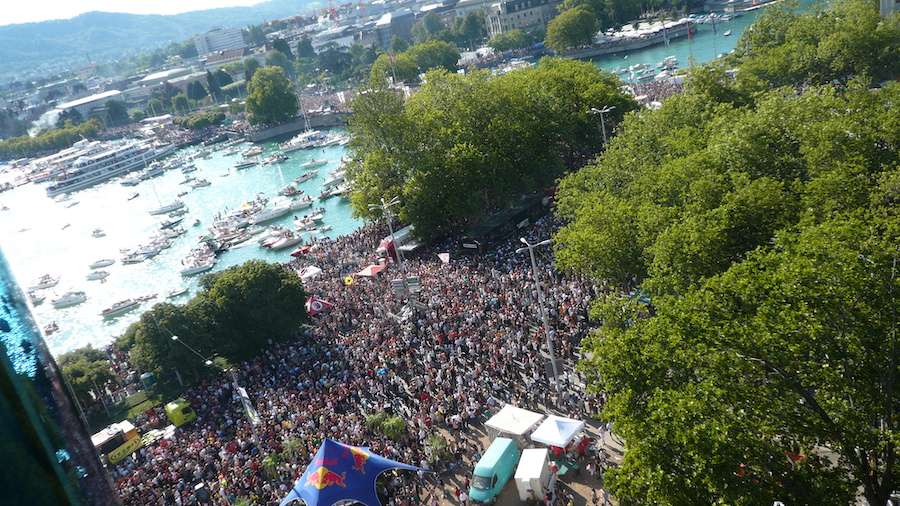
(104,35)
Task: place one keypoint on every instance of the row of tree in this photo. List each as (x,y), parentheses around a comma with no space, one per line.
(48,140)
(762,223)
(466,144)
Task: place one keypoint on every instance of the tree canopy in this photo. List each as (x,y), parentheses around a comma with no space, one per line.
(238,313)
(574,27)
(462,145)
(762,224)
(270,97)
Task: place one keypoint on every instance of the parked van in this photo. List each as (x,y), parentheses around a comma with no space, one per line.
(533,475)
(494,470)
(180,412)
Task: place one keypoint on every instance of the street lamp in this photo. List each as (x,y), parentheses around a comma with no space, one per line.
(210,363)
(386,209)
(601,112)
(537,281)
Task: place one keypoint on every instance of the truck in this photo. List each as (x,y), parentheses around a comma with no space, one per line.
(180,412)
(401,240)
(493,471)
(534,474)
(116,442)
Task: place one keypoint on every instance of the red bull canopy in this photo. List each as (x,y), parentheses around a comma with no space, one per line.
(341,472)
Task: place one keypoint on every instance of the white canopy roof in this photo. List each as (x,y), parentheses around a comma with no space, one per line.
(557,431)
(514,420)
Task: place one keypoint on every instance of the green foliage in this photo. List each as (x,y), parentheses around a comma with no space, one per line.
(398,45)
(464,144)
(283,47)
(270,97)
(437,448)
(391,426)
(574,27)
(250,67)
(507,41)
(305,48)
(279,59)
(201,119)
(69,118)
(180,103)
(87,370)
(416,60)
(239,312)
(137,116)
(49,140)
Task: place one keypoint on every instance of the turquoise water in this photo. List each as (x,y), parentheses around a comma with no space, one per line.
(43,236)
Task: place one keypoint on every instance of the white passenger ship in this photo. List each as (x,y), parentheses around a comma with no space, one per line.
(105,164)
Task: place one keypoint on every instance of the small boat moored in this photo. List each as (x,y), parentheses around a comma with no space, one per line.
(69,299)
(120,307)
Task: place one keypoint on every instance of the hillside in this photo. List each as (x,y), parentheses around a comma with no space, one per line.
(104,35)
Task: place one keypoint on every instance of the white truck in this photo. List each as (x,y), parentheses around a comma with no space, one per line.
(534,475)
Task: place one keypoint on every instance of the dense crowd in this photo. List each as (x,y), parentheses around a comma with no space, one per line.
(473,345)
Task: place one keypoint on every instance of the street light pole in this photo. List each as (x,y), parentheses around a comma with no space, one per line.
(210,363)
(386,209)
(601,112)
(537,281)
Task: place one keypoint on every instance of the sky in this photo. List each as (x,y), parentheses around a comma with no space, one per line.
(17,11)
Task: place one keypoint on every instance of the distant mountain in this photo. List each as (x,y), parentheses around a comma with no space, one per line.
(104,35)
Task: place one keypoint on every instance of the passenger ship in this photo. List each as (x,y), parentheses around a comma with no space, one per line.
(100,166)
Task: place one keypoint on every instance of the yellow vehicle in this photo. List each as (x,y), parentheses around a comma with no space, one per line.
(117,441)
(180,412)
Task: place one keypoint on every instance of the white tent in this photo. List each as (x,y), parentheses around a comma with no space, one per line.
(557,431)
(308,272)
(514,422)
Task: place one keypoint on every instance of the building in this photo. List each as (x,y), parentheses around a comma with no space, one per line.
(91,105)
(47,450)
(464,7)
(398,23)
(889,7)
(219,39)
(526,15)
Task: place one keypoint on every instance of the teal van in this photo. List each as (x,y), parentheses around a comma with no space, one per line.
(493,470)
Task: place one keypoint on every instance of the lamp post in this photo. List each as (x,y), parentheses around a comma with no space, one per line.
(210,363)
(540,295)
(601,112)
(386,209)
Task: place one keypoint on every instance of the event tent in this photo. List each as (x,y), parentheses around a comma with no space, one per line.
(371,270)
(557,431)
(514,422)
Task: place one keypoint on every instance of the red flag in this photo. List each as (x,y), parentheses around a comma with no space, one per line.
(315,306)
(690,34)
(392,57)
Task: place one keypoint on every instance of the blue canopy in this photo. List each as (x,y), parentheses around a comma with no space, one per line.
(342,472)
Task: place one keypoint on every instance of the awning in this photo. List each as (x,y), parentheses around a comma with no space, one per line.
(371,270)
(557,431)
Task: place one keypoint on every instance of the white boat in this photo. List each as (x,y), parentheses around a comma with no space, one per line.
(105,262)
(116,159)
(130,181)
(249,162)
(290,190)
(132,258)
(69,299)
(120,307)
(36,297)
(176,292)
(199,266)
(301,203)
(727,33)
(314,163)
(155,169)
(45,281)
(307,176)
(200,183)
(271,214)
(168,208)
(303,140)
(326,194)
(254,151)
(337,179)
(325,228)
(97,275)
(98,232)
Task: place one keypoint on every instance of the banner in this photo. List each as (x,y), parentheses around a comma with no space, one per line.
(248,406)
(315,306)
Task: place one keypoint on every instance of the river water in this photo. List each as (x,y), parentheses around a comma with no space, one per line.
(41,236)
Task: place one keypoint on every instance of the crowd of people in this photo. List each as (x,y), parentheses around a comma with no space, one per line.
(473,344)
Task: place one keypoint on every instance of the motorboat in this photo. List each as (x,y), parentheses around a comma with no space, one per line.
(307,176)
(271,214)
(727,33)
(94,275)
(133,258)
(50,328)
(69,299)
(176,292)
(314,163)
(303,140)
(36,297)
(120,307)
(134,196)
(249,162)
(300,203)
(105,262)
(335,180)
(200,183)
(168,208)
(287,240)
(171,222)
(179,212)
(45,281)
(275,158)
(198,266)
(290,191)
(325,228)
(98,232)
(254,151)
(326,194)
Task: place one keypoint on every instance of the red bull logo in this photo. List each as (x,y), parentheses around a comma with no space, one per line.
(323,477)
(359,460)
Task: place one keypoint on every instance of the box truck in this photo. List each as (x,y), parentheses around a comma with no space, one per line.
(534,475)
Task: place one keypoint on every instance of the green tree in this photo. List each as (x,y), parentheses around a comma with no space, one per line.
(278,59)
(250,67)
(471,28)
(283,47)
(215,90)
(305,48)
(398,45)
(87,370)
(69,117)
(196,91)
(117,112)
(180,103)
(270,97)
(513,39)
(572,28)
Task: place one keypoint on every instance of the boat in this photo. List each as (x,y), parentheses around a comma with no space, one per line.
(176,292)
(325,228)
(45,281)
(178,212)
(36,297)
(300,203)
(287,240)
(275,158)
(102,263)
(290,191)
(249,162)
(254,151)
(142,298)
(187,169)
(335,180)
(170,223)
(114,160)
(132,258)
(69,299)
(198,266)
(134,196)
(168,208)
(50,328)
(97,275)
(303,140)
(307,176)
(727,33)
(98,232)
(271,214)
(155,169)
(200,183)
(130,181)
(326,193)
(120,307)
(314,163)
